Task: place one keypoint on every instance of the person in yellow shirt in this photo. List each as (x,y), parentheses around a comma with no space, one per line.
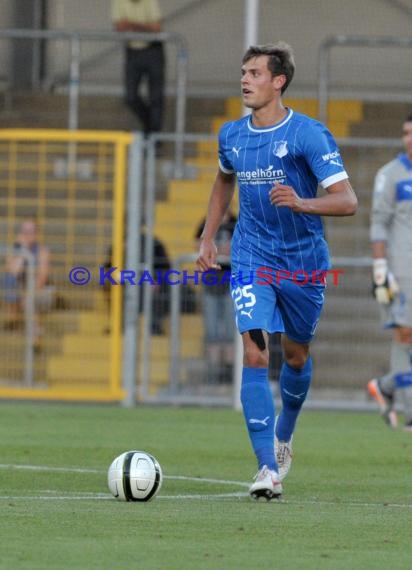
(145,61)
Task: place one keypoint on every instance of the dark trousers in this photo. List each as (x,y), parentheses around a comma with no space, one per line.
(146,64)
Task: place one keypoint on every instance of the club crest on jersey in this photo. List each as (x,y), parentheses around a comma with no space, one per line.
(280,149)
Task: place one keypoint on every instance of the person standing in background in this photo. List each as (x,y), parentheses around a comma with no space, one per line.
(145,60)
(391,237)
(217,307)
(15,279)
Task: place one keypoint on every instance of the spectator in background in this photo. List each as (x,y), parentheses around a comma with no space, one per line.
(161,292)
(391,236)
(144,60)
(15,279)
(218,308)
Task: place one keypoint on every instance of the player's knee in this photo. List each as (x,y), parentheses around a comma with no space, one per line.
(255,358)
(256,354)
(296,355)
(296,361)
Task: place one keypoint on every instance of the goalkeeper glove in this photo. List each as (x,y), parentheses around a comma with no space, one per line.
(385,286)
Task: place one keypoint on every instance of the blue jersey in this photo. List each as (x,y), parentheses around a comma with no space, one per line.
(299,152)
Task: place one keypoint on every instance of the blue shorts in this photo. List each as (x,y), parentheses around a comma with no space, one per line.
(285,306)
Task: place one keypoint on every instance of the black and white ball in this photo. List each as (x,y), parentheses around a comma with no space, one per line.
(135,476)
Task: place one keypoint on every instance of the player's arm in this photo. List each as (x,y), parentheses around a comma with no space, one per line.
(339,200)
(220,198)
(379,249)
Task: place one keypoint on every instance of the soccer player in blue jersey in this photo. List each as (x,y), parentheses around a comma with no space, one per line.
(278,158)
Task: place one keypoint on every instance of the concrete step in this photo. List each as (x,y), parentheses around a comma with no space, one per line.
(50,110)
(347,109)
(330,330)
(344,243)
(186,192)
(381,119)
(375,111)
(15,373)
(80,369)
(375,128)
(344,306)
(349,365)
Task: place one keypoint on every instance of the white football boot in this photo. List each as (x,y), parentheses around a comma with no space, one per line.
(284,456)
(266,484)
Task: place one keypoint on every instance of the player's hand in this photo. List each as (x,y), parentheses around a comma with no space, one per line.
(385,286)
(207,256)
(282,195)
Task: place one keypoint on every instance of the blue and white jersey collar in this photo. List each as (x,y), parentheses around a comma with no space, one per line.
(268,129)
(403,157)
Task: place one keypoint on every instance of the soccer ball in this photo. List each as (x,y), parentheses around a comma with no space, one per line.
(134,476)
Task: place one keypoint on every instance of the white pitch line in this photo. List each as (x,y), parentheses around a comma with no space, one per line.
(206,497)
(50,469)
(207,480)
(56,498)
(106,496)
(101,472)
(96,496)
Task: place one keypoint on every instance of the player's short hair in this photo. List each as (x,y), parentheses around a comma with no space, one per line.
(280,59)
(408,118)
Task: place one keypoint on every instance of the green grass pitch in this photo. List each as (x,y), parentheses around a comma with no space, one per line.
(347,500)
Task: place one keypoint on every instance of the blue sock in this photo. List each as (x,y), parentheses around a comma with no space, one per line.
(259,413)
(294,386)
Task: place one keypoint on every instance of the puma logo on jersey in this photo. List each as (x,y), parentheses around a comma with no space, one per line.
(247,313)
(264,422)
(236,150)
(297,396)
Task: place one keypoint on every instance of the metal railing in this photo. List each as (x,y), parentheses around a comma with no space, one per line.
(351,315)
(347,41)
(77,37)
(80,219)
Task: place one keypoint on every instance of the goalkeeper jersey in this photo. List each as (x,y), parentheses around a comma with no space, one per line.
(299,152)
(391,217)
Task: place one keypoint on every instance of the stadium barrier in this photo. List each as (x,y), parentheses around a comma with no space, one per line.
(99,343)
(325,69)
(74,185)
(76,39)
(349,347)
